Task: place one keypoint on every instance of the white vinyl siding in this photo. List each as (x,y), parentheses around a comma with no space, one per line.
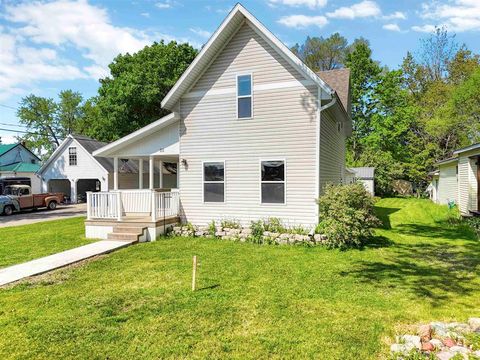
(447,183)
(283,127)
(332,152)
(467,182)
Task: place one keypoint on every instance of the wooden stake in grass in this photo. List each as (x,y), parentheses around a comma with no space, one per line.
(194,274)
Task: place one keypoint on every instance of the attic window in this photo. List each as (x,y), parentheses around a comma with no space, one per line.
(244,96)
(72,156)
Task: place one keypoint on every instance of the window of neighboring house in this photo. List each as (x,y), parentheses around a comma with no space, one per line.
(214,181)
(273,181)
(72,156)
(244,96)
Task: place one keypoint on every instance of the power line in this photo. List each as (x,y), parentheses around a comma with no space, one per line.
(21,131)
(14,125)
(8,107)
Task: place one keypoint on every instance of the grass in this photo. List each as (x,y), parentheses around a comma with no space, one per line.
(254,301)
(23,243)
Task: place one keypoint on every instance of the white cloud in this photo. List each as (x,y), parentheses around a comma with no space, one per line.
(164,5)
(456,15)
(22,65)
(145,14)
(201,32)
(362,9)
(424,28)
(391,27)
(397,15)
(303,21)
(312,4)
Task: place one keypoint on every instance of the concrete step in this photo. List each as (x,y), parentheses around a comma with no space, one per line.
(122,236)
(128,229)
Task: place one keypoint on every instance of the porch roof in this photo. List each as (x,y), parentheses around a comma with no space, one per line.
(115,148)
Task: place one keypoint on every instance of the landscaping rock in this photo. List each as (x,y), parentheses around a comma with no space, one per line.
(474,324)
(439,329)
(400,349)
(425,333)
(448,342)
(459,349)
(412,341)
(445,355)
(428,346)
(436,343)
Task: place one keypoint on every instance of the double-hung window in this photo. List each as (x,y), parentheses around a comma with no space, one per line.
(244,97)
(72,156)
(214,181)
(272,181)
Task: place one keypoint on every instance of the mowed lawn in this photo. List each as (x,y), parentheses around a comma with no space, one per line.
(27,242)
(254,301)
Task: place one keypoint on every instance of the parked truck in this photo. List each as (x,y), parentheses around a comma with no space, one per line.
(19,197)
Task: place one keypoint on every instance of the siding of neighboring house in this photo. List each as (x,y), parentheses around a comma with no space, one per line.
(467,182)
(447,184)
(332,151)
(16,155)
(284,126)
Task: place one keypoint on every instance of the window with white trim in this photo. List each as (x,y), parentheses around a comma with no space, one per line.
(244,96)
(273,182)
(72,156)
(214,181)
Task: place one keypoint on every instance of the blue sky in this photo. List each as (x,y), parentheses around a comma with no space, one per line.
(47,46)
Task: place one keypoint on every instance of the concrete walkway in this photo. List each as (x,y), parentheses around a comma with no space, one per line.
(64,258)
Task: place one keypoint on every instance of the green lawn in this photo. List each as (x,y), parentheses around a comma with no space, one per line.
(23,243)
(255,301)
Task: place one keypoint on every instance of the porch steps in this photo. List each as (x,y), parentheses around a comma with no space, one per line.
(129,233)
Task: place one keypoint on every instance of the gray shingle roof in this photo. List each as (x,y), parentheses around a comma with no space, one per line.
(364,172)
(91,145)
(339,80)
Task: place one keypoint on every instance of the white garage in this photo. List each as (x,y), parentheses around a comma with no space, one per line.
(365,175)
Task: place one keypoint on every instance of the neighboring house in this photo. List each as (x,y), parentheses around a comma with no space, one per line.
(366,176)
(254,133)
(458,179)
(73,170)
(16,161)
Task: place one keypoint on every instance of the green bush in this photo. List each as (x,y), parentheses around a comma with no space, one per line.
(257,231)
(274,224)
(346,215)
(474,223)
(212,228)
(231,224)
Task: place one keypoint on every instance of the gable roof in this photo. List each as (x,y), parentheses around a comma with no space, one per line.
(467,148)
(217,41)
(4,148)
(91,145)
(21,167)
(339,80)
(364,172)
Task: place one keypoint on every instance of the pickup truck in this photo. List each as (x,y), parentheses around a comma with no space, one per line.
(20,197)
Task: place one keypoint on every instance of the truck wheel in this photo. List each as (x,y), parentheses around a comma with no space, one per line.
(52,205)
(8,210)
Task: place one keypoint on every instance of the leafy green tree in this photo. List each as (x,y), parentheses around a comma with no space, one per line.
(364,77)
(131,96)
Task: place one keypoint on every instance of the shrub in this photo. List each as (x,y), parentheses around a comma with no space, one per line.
(257,231)
(212,228)
(231,224)
(274,224)
(474,223)
(346,215)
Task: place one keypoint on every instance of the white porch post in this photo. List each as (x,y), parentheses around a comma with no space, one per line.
(115,173)
(178,175)
(140,173)
(160,175)
(151,173)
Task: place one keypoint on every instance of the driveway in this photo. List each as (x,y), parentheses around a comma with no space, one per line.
(31,217)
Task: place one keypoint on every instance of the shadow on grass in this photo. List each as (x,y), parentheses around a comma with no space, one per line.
(383,214)
(438,271)
(377,242)
(209,287)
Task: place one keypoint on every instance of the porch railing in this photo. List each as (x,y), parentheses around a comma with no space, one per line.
(116,205)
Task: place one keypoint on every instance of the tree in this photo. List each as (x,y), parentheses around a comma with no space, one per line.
(364,77)
(38,114)
(131,96)
(48,122)
(320,53)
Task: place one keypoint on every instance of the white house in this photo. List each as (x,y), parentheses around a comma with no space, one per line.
(254,131)
(73,170)
(457,180)
(18,162)
(366,176)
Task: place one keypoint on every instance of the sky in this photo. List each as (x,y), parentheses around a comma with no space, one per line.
(50,45)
